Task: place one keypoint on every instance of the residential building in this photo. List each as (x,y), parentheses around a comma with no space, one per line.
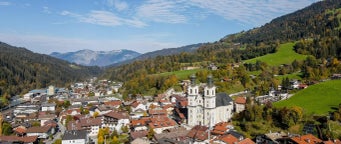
(240,103)
(75,137)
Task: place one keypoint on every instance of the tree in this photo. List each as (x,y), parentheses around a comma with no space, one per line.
(6,128)
(115,140)
(100,140)
(95,114)
(58,141)
(151,133)
(66,104)
(125,129)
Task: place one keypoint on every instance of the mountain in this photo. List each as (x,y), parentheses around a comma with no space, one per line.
(163,52)
(169,51)
(96,58)
(318,23)
(22,70)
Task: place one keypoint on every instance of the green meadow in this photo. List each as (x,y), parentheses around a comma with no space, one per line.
(284,55)
(316,99)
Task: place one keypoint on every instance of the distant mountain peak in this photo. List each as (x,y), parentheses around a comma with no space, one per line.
(96,58)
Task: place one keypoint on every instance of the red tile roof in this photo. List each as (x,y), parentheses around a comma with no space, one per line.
(28,139)
(113,103)
(91,122)
(198,132)
(139,122)
(240,100)
(157,112)
(138,134)
(161,121)
(117,115)
(220,128)
(20,130)
(246,141)
(135,104)
(306,139)
(230,139)
(38,129)
(332,142)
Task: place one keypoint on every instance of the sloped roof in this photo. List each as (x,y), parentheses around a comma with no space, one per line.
(73,135)
(230,139)
(307,139)
(38,129)
(223,99)
(198,132)
(240,100)
(117,115)
(246,141)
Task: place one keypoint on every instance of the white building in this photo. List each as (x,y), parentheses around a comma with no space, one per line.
(48,107)
(51,90)
(206,107)
(75,137)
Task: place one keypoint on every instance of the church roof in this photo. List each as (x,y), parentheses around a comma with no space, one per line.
(223,99)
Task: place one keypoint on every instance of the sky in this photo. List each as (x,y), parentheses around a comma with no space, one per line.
(46,26)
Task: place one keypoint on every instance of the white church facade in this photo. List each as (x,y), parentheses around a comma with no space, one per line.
(206,107)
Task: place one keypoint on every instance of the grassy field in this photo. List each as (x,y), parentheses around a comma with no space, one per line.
(316,99)
(183,74)
(284,55)
(296,75)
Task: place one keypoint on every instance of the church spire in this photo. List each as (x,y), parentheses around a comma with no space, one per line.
(210,81)
(193,78)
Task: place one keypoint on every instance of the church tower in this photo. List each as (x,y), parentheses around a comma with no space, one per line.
(193,92)
(209,102)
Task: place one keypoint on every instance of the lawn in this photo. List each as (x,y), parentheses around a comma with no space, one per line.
(296,75)
(284,55)
(183,74)
(316,99)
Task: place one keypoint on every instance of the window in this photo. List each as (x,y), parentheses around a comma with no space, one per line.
(190,91)
(208,92)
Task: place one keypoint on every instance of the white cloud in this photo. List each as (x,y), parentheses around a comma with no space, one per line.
(104,18)
(119,5)
(46,10)
(249,11)
(4,3)
(162,11)
(48,44)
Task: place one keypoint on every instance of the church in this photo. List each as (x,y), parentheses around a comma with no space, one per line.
(205,106)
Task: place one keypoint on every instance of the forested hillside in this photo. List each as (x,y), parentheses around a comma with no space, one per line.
(316,28)
(22,70)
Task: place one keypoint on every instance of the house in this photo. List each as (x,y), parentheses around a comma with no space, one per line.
(48,107)
(305,139)
(115,120)
(332,142)
(336,76)
(157,112)
(246,141)
(294,84)
(91,125)
(161,123)
(114,104)
(46,117)
(138,105)
(212,66)
(20,130)
(227,138)
(140,141)
(140,124)
(138,134)
(270,138)
(177,135)
(75,137)
(198,133)
(220,128)
(240,103)
(16,139)
(42,132)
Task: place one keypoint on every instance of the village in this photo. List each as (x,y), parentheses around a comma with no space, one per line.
(94,112)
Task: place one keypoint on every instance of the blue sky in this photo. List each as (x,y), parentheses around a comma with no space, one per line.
(46,26)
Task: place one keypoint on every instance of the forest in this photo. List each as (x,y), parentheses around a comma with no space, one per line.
(22,70)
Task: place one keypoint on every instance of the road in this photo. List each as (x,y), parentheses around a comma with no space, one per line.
(58,135)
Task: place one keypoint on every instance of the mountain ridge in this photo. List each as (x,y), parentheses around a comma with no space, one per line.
(96,58)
